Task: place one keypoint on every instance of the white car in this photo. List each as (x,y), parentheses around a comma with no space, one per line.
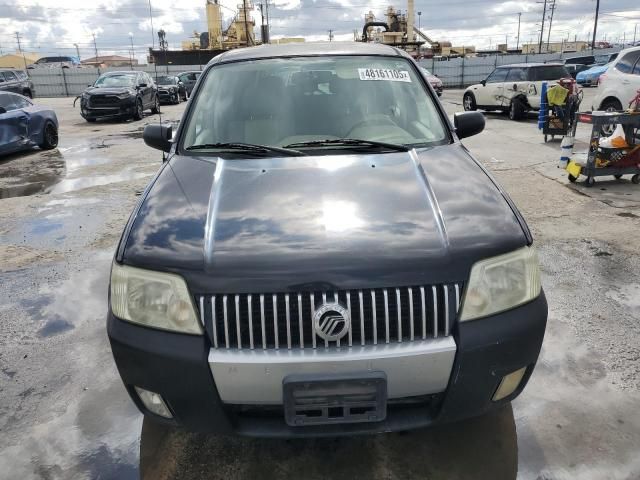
(620,83)
(513,88)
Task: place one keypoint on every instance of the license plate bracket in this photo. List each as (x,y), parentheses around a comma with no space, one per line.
(335,399)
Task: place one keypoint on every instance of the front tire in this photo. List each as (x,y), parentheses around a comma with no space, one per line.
(611,105)
(516,110)
(49,136)
(137,114)
(156,106)
(469,102)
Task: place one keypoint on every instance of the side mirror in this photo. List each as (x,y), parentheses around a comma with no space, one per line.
(158,136)
(468,124)
(484,83)
(3,110)
(142,85)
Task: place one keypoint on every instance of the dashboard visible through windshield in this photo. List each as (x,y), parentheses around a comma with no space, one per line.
(314,101)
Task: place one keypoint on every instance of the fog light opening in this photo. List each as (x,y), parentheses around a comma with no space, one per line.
(509,384)
(153,402)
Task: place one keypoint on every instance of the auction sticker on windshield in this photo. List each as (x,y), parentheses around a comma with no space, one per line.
(388,74)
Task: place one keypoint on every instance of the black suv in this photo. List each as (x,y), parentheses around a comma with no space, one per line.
(16,81)
(120,94)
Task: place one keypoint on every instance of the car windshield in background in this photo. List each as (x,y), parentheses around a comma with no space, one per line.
(166,81)
(280,102)
(549,72)
(116,81)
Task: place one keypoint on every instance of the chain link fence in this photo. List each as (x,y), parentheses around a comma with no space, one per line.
(454,73)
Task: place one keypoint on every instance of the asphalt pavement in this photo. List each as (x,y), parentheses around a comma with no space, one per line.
(64,413)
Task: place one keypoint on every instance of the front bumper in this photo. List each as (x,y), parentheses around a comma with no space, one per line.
(123,109)
(177,367)
(164,96)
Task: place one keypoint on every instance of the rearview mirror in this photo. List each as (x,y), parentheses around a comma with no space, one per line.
(468,124)
(158,136)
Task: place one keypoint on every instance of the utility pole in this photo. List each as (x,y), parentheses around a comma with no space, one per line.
(132,51)
(595,26)
(20,50)
(544,14)
(634,34)
(266,4)
(95,47)
(77,50)
(153,35)
(518,40)
(419,23)
(552,7)
(330,35)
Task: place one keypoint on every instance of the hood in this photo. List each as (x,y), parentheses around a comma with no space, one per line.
(599,69)
(109,90)
(434,80)
(358,221)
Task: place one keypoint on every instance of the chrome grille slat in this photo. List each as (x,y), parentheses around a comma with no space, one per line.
(435,312)
(238,334)
(226,322)
(286,303)
(262,323)
(313,307)
(300,321)
(424,313)
(399,308)
(350,316)
(374,319)
(411,313)
(416,313)
(250,311)
(275,320)
(386,314)
(361,317)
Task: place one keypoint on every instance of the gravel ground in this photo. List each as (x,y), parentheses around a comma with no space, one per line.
(64,413)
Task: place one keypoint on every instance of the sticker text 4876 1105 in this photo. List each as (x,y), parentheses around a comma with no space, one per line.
(385,74)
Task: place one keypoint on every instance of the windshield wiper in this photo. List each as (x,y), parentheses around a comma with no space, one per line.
(350,142)
(247,147)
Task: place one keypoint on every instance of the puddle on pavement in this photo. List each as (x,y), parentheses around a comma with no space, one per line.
(71,416)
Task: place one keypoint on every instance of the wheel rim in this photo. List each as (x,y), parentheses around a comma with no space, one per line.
(467,102)
(52,135)
(608,129)
(140,109)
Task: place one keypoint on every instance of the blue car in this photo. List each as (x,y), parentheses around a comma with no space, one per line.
(24,125)
(589,78)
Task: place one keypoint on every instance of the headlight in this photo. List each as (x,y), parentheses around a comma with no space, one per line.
(85,96)
(124,96)
(500,283)
(173,90)
(155,299)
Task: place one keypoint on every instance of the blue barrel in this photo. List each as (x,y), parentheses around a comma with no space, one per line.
(544,106)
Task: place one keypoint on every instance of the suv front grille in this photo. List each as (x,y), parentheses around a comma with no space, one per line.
(285,320)
(104,101)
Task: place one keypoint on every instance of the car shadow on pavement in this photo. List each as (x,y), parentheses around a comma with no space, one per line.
(479,448)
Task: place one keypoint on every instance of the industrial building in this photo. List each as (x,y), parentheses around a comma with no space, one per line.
(556,47)
(18,60)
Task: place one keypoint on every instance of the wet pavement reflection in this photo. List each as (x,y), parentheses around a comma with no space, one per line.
(480,448)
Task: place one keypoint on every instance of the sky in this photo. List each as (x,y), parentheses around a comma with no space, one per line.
(54,26)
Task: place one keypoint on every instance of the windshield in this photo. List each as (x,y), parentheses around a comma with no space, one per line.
(280,102)
(116,81)
(166,80)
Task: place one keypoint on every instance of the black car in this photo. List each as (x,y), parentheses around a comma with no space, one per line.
(120,94)
(320,255)
(171,89)
(16,81)
(189,79)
